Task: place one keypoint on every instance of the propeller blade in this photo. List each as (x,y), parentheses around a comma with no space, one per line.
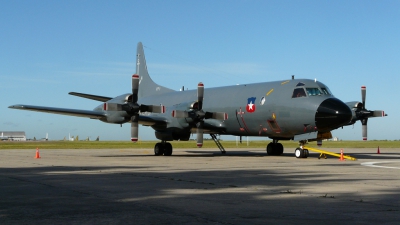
(216,115)
(180,114)
(363,95)
(135,88)
(378,113)
(135,128)
(200,134)
(200,95)
(112,106)
(152,108)
(364,128)
(364,132)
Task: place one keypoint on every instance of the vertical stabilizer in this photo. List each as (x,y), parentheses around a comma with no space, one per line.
(147,86)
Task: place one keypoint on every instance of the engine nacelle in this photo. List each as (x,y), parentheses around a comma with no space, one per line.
(354,106)
(119,118)
(128,98)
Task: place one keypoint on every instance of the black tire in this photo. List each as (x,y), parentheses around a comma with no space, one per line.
(279,149)
(158,149)
(167,149)
(270,149)
(306,153)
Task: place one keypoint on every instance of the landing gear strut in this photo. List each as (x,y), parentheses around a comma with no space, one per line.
(274,148)
(163,148)
(301,152)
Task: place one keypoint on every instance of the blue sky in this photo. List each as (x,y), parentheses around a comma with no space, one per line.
(49,48)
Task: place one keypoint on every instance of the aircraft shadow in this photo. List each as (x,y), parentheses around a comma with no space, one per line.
(200,154)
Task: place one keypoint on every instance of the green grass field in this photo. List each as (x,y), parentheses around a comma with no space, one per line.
(185,144)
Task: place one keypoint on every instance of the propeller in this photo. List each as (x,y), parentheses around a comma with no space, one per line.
(133,109)
(363,114)
(364,121)
(198,115)
(200,124)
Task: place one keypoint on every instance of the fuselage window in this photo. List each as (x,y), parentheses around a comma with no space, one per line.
(313,91)
(299,92)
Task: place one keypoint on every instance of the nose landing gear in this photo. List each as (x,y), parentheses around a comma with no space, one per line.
(301,152)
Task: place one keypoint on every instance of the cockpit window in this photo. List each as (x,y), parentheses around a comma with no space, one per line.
(299,84)
(313,91)
(299,92)
(325,91)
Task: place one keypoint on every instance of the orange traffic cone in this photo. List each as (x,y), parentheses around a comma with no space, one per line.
(37,154)
(378,152)
(341,155)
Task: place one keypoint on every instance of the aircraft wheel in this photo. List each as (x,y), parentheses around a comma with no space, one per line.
(167,149)
(299,153)
(270,149)
(306,153)
(158,149)
(279,149)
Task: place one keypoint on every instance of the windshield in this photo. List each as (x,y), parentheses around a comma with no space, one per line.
(313,91)
(298,92)
(301,91)
(326,91)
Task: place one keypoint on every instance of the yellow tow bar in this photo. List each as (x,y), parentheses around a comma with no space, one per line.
(324,153)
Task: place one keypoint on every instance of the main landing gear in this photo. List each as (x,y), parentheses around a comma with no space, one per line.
(163,148)
(274,148)
(301,152)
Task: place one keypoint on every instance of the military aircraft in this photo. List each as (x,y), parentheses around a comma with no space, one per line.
(294,109)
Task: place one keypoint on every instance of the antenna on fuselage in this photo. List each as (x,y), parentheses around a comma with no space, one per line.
(292,77)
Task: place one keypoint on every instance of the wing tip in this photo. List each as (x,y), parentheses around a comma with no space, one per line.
(16,106)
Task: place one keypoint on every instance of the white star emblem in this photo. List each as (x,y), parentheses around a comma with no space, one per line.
(251,105)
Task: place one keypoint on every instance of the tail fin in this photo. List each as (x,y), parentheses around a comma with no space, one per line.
(147,86)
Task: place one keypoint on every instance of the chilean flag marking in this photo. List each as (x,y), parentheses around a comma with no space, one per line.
(251,107)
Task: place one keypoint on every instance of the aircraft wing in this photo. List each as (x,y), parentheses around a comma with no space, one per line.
(152,120)
(93,97)
(145,120)
(70,112)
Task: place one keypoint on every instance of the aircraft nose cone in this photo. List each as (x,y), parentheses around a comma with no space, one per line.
(331,114)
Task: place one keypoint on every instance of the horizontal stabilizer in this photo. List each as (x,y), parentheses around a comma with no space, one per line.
(93,97)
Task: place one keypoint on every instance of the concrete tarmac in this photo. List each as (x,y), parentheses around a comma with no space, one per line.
(198,186)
